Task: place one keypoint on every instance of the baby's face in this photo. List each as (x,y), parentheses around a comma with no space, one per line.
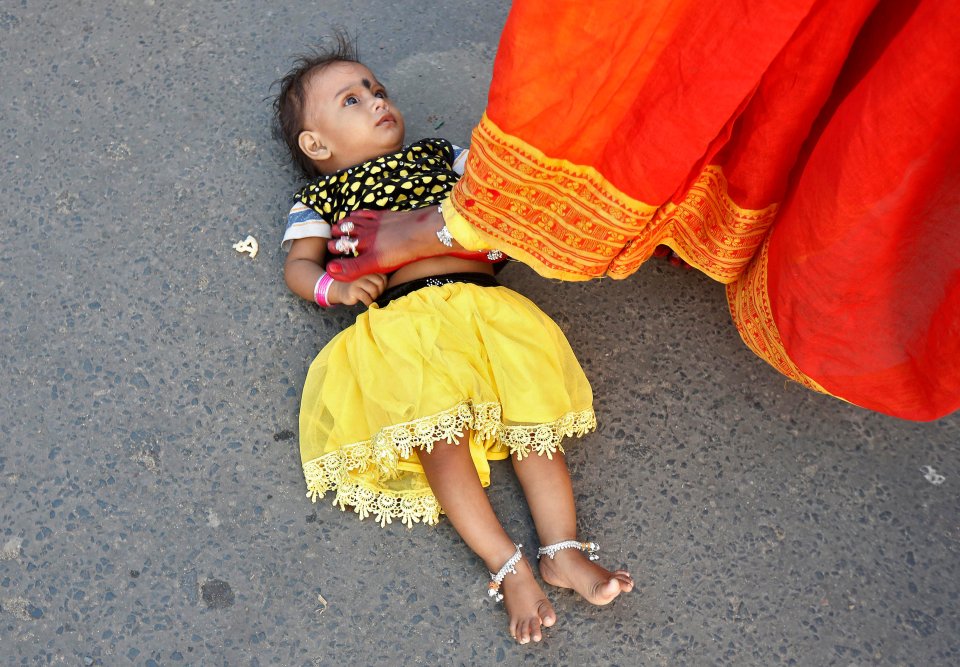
(348,118)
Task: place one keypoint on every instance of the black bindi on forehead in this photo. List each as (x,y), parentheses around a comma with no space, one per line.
(367,84)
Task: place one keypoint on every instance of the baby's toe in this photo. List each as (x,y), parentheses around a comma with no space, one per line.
(547,616)
(626,581)
(610,588)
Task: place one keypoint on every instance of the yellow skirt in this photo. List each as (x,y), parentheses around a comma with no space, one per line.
(428,368)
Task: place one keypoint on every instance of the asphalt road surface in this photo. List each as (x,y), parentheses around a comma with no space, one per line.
(152,509)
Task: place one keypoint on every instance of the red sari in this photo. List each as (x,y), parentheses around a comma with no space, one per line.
(806,153)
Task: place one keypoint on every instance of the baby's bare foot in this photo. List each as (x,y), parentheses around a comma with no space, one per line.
(570,568)
(527,605)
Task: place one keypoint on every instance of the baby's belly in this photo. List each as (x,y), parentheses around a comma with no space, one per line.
(435,266)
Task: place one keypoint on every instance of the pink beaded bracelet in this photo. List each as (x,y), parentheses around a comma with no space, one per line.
(320,290)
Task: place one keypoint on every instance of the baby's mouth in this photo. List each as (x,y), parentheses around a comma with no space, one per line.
(386,118)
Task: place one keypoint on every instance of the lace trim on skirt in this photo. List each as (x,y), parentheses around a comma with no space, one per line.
(382,454)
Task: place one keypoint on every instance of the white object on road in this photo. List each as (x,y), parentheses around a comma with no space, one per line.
(249,245)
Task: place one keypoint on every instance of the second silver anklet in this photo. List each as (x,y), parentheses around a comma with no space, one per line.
(590,548)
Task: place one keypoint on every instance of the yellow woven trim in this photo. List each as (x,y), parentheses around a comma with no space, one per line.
(564,220)
(567,221)
(749,302)
(385,451)
(707,229)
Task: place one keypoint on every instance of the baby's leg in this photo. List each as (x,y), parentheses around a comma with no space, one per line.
(454,481)
(546,484)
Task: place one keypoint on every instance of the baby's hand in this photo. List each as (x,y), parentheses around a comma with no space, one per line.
(365,288)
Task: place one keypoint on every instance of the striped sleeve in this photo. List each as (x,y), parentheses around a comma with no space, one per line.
(302,223)
(460,159)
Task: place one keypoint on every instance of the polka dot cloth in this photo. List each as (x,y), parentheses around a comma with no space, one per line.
(418,175)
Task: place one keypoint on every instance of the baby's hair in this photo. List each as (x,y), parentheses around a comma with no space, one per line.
(288,104)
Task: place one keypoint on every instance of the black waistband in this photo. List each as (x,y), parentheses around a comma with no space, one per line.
(397,291)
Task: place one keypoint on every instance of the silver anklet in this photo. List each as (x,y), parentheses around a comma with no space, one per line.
(551,550)
(446,238)
(510,567)
(443,234)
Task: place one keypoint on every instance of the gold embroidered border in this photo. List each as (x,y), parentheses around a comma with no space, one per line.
(749,302)
(707,229)
(383,454)
(567,221)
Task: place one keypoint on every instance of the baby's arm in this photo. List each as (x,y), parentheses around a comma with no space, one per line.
(304,266)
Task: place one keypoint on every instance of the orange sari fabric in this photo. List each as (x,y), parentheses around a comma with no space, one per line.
(803,152)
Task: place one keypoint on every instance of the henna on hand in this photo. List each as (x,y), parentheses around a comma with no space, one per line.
(386,240)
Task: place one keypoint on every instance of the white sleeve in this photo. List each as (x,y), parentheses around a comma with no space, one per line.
(460,159)
(302,223)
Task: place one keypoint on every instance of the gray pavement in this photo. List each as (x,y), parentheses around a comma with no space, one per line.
(152,510)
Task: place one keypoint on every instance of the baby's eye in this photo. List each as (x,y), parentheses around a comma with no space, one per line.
(382,94)
(350,100)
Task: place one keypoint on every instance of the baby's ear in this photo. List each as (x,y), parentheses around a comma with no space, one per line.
(312,145)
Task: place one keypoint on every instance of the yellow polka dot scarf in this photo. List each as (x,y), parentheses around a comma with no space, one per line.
(418,175)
